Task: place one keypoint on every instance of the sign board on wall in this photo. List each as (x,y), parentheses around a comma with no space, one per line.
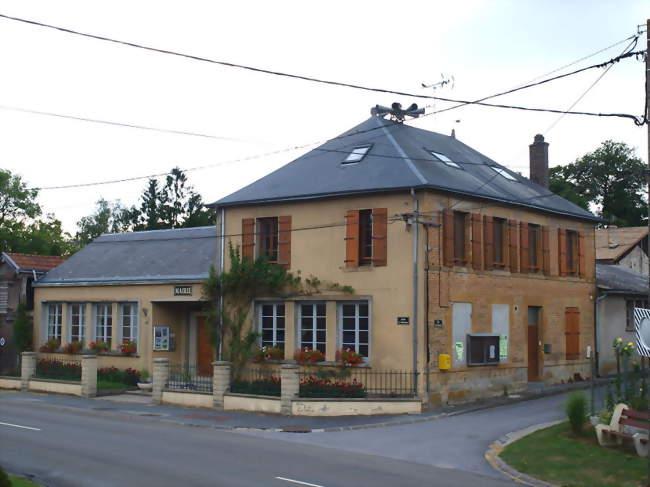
(437,323)
(403,320)
(182,290)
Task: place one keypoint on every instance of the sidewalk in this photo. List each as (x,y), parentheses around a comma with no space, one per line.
(130,406)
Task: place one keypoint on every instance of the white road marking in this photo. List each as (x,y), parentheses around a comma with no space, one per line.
(298,482)
(19,426)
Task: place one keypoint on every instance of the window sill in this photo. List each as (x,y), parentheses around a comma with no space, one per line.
(361,268)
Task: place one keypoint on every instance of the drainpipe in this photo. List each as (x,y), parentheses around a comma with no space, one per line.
(596,331)
(427,341)
(416,228)
(221,269)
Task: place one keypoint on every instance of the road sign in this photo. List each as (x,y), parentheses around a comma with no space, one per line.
(642,331)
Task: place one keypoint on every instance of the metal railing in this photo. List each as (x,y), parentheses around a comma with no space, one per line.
(358,382)
(262,382)
(59,368)
(188,377)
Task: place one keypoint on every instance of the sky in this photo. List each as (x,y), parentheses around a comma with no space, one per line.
(485,46)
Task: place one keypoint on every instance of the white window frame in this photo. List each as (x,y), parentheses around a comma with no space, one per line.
(314,325)
(104,322)
(503,173)
(274,325)
(132,327)
(54,321)
(162,343)
(82,322)
(356,330)
(357,154)
(443,158)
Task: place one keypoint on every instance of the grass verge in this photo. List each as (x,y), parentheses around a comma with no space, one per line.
(555,455)
(22,482)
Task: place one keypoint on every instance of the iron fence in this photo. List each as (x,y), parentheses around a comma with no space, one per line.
(189,377)
(59,368)
(263,382)
(359,382)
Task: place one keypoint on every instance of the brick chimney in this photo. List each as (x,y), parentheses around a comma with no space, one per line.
(539,161)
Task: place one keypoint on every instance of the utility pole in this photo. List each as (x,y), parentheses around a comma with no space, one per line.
(646,112)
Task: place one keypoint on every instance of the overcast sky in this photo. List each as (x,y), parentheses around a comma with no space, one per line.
(487,46)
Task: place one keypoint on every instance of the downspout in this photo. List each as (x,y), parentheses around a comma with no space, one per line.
(416,228)
(221,269)
(596,331)
(426,309)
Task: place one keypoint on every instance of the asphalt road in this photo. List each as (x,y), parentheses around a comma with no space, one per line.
(66,449)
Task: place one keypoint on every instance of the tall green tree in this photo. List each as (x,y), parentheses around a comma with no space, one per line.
(611,180)
(22,330)
(108,217)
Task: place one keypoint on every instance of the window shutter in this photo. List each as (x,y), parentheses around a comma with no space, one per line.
(477,240)
(248,238)
(379,236)
(352,238)
(448,237)
(546,251)
(524,258)
(488,233)
(561,244)
(572,333)
(581,255)
(512,238)
(284,241)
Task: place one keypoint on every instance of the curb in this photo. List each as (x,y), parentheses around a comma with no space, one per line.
(493,458)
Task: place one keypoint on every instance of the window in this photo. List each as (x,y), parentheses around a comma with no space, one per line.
(77,321)
(313,329)
(161,339)
(460,239)
(267,229)
(482,349)
(4,296)
(444,158)
(354,327)
(357,154)
(534,247)
(503,173)
(271,324)
(129,322)
(499,235)
(630,304)
(365,237)
(572,252)
(103,322)
(54,317)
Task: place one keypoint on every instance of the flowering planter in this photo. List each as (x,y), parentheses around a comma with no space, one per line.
(145,386)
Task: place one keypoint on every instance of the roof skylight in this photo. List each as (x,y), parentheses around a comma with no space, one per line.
(357,154)
(503,173)
(445,159)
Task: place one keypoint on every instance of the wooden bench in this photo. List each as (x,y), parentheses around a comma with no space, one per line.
(615,432)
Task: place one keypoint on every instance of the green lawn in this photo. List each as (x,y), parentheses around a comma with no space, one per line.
(21,482)
(552,454)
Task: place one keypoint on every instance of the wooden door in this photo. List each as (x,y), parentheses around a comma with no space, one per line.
(534,314)
(203,347)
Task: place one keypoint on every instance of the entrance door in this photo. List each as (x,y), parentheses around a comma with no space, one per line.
(203,347)
(534,314)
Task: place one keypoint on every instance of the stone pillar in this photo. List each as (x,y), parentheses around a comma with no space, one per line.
(27,369)
(160,376)
(220,382)
(89,375)
(290,387)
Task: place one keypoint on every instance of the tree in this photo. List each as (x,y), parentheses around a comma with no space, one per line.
(23,330)
(107,218)
(610,179)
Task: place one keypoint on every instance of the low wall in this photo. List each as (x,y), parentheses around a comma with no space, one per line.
(57,386)
(10,383)
(249,402)
(354,407)
(188,398)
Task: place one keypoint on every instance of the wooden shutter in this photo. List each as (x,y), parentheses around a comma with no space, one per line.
(284,241)
(572,333)
(488,235)
(524,258)
(448,237)
(561,247)
(352,238)
(477,240)
(379,236)
(546,251)
(581,255)
(248,238)
(513,236)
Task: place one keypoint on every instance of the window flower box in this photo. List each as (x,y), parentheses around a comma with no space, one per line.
(73,347)
(128,347)
(52,345)
(265,354)
(306,356)
(348,358)
(99,346)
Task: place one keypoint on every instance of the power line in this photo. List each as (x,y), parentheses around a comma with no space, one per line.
(637,120)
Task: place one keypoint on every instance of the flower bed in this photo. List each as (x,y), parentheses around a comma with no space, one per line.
(58,369)
(268,386)
(311,386)
(128,377)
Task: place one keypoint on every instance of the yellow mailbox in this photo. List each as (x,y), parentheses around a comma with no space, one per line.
(444,361)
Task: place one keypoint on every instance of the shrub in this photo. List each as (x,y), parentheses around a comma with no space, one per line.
(23,330)
(4,478)
(315,387)
(74,347)
(99,346)
(308,356)
(576,411)
(57,369)
(268,353)
(268,386)
(51,345)
(129,377)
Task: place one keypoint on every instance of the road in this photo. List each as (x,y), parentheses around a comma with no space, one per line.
(67,449)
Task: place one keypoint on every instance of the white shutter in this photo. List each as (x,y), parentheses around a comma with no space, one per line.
(4,297)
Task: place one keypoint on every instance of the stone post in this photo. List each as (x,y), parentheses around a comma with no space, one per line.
(220,382)
(89,375)
(290,387)
(160,376)
(27,369)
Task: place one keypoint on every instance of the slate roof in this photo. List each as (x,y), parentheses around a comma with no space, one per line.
(615,279)
(398,160)
(32,262)
(614,243)
(180,255)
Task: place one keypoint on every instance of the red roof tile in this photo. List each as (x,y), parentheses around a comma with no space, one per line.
(28,262)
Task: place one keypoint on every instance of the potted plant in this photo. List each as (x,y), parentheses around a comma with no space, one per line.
(348,358)
(265,354)
(144,383)
(306,356)
(99,346)
(52,345)
(128,347)
(73,347)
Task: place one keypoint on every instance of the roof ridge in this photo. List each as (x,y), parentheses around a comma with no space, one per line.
(402,153)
